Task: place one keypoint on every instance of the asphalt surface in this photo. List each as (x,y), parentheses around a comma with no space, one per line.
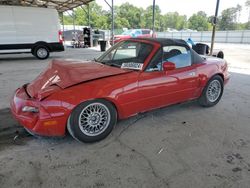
(183,145)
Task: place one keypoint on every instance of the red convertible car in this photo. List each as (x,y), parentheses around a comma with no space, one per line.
(135,75)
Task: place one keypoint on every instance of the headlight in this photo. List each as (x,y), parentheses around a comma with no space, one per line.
(30,109)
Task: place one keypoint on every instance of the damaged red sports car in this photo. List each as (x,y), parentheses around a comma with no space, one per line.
(136,75)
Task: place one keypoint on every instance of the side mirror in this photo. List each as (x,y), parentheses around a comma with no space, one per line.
(167,66)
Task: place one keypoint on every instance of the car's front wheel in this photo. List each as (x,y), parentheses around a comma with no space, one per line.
(213,91)
(92,121)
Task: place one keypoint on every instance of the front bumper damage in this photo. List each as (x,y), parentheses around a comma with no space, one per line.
(41,122)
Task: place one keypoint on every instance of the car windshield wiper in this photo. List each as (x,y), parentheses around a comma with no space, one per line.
(97,60)
(107,63)
(113,64)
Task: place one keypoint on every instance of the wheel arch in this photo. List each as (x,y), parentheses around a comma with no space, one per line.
(116,106)
(206,79)
(218,74)
(40,43)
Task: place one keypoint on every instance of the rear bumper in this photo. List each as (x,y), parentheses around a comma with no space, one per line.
(41,123)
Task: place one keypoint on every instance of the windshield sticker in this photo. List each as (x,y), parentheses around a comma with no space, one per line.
(132,65)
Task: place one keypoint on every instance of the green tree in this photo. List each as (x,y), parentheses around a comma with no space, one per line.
(228,18)
(247,25)
(67,20)
(98,17)
(132,15)
(148,17)
(248,6)
(174,20)
(198,21)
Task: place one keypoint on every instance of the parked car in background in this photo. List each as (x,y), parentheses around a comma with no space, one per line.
(134,33)
(30,30)
(87,98)
(171,30)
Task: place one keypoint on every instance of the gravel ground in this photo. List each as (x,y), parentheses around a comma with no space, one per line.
(179,146)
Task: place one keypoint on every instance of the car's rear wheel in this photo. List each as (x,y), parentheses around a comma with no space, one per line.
(92,121)
(41,52)
(213,91)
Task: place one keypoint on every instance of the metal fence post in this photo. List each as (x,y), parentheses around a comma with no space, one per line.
(227,36)
(242,36)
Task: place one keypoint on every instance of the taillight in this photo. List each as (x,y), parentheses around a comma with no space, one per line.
(60,37)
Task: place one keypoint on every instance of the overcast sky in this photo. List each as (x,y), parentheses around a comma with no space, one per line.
(187,7)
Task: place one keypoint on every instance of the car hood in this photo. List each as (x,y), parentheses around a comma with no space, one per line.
(61,74)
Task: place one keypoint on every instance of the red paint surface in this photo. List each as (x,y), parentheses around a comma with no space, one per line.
(65,84)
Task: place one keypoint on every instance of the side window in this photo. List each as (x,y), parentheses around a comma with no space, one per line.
(179,55)
(156,62)
(145,32)
(137,33)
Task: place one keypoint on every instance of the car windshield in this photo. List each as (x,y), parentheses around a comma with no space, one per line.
(126,55)
(132,32)
(128,32)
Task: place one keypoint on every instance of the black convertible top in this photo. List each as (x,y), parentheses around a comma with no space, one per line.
(167,41)
(196,58)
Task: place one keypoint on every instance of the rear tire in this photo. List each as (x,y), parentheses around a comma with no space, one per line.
(213,91)
(41,52)
(92,121)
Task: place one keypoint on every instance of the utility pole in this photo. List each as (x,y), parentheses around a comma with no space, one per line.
(88,16)
(153,19)
(113,25)
(214,22)
(112,17)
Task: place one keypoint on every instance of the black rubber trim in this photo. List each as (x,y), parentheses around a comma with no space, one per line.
(53,47)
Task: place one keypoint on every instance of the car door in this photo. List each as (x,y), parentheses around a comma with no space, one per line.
(185,85)
(157,88)
(152,89)
(185,73)
(152,84)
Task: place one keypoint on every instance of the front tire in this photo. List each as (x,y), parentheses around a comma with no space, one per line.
(41,52)
(212,93)
(92,121)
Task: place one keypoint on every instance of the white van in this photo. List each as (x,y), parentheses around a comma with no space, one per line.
(30,30)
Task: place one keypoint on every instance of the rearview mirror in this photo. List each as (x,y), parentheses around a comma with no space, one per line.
(167,66)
